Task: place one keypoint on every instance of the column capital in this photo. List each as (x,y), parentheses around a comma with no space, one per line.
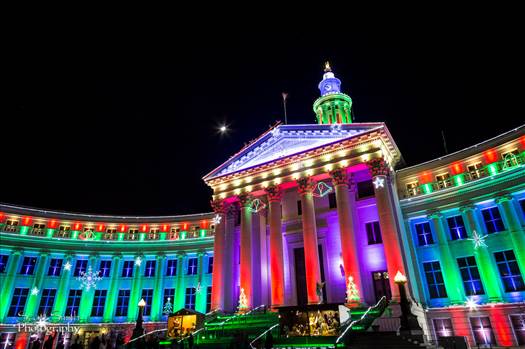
(245,199)
(378,167)
(340,177)
(44,253)
(201,253)
(94,255)
(116,255)
(160,255)
(502,198)
(218,206)
(434,214)
(180,254)
(18,251)
(306,185)
(466,207)
(274,193)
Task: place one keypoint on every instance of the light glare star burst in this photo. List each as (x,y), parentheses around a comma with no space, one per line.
(478,240)
(379,182)
(471,304)
(217,219)
(34,291)
(41,323)
(67,266)
(138,261)
(89,279)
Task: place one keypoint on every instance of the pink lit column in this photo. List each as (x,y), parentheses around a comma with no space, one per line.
(246,269)
(217,281)
(391,244)
(311,252)
(276,246)
(346,228)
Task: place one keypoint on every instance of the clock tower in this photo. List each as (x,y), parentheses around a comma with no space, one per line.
(333,107)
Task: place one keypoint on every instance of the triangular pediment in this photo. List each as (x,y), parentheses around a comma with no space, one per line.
(286,140)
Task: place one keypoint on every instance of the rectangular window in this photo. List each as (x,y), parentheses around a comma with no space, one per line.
(122,303)
(483,334)
(38,229)
(64,231)
(3,262)
(133,234)
(522,205)
(470,276)
(127,269)
(509,271)
(98,303)
(493,220)
(518,325)
(208,299)
(169,296)
(457,228)
(373,231)
(365,189)
(110,234)
(424,234)
(413,189)
(210,265)
(153,234)
(189,302)
(80,267)
(192,266)
(46,301)
(435,283)
(73,302)
(55,266)
(299,208)
(171,268)
(149,271)
(475,171)
(510,158)
(443,327)
(147,295)
(332,202)
(18,302)
(174,234)
(443,180)
(105,268)
(11,226)
(7,340)
(28,266)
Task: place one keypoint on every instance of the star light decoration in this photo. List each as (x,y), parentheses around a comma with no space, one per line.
(379,182)
(89,279)
(478,240)
(322,189)
(67,266)
(138,261)
(217,219)
(34,291)
(471,304)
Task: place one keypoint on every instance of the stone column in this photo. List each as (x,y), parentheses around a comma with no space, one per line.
(86,301)
(231,271)
(514,227)
(63,288)
(178,302)
(158,290)
(487,269)
(449,265)
(347,228)
(136,288)
(218,276)
(311,251)
(276,246)
(246,268)
(8,282)
(394,260)
(200,288)
(111,298)
(33,300)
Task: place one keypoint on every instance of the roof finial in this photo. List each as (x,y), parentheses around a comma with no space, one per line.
(327,67)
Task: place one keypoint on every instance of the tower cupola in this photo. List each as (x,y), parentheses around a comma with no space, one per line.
(333,107)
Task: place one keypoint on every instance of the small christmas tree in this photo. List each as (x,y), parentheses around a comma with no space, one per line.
(352,294)
(243,302)
(168,307)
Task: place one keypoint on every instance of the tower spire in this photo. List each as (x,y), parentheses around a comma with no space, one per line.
(333,107)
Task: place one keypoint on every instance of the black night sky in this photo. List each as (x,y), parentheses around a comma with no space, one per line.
(125,122)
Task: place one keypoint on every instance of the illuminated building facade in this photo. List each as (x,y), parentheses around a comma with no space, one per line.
(301,215)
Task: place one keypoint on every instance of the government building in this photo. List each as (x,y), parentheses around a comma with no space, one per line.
(305,215)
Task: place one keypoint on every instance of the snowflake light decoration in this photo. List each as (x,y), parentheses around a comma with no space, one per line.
(217,219)
(34,291)
(471,304)
(478,240)
(257,205)
(322,189)
(138,261)
(89,279)
(67,266)
(41,323)
(379,182)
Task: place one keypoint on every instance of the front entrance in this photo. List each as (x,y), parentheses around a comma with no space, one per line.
(300,275)
(381,284)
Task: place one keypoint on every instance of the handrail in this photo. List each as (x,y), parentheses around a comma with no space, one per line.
(145,334)
(382,300)
(262,334)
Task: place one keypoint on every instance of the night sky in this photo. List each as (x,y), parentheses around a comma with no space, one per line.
(126,122)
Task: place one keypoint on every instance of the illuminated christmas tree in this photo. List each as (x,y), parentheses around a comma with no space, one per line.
(243,302)
(352,293)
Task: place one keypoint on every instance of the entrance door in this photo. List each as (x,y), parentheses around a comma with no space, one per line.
(300,275)
(381,284)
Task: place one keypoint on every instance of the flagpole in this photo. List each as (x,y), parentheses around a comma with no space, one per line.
(285,95)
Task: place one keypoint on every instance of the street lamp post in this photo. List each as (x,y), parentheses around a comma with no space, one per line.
(139,330)
(409,324)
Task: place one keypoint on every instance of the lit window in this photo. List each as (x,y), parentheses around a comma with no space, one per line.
(443,327)
(153,234)
(493,220)
(7,340)
(80,267)
(64,231)
(443,180)
(475,171)
(149,271)
(171,268)
(38,229)
(127,269)
(105,268)
(483,334)
(46,301)
(457,228)
(373,231)
(424,234)
(470,276)
(28,266)
(435,282)
(518,324)
(55,266)
(73,302)
(98,303)
(413,188)
(510,159)
(147,295)
(18,302)
(189,302)
(192,266)
(122,303)
(11,226)
(110,234)
(509,271)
